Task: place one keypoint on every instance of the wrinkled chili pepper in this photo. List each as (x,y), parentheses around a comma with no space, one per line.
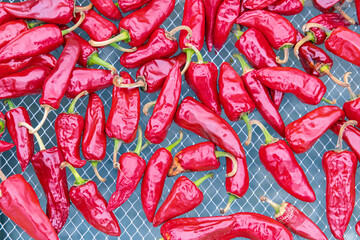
(154,178)
(128,5)
(53,180)
(202,79)
(351,136)
(286,7)
(108,9)
(183,197)
(261,98)
(280,33)
(21,137)
(86,197)
(93,143)
(11,29)
(295,220)
(340,170)
(302,133)
(19,203)
(130,168)
(5,146)
(124,116)
(211,9)
(4,15)
(280,162)
(257,4)
(68,128)
(165,107)
(352,107)
(328,6)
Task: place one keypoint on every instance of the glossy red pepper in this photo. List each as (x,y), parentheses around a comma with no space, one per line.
(328,6)
(296,221)
(352,107)
(340,170)
(302,134)
(261,98)
(4,15)
(124,116)
(257,4)
(11,29)
(211,9)
(108,9)
(130,169)
(183,197)
(165,107)
(154,178)
(68,128)
(21,137)
(202,79)
(19,203)
(93,143)
(129,5)
(86,197)
(286,7)
(5,146)
(90,80)
(351,136)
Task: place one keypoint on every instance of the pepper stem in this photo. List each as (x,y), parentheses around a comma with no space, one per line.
(83,9)
(34,24)
(268,137)
(2,176)
(351,92)
(47,110)
(73,103)
(246,119)
(123,36)
(341,11)
(145,145)
(139,142)
(66,31)
(95,59)
(2,125)
(230,201)
(78,178)
(197,52)
(238,33)
(339,146)
(232,158)
(128,50)
(201,180)
(140,83)
(308,38)
(326,69)
(147,107)
(117,145)
(244,65)
(179,28)
(189,53)
(170,148)
(94,165)
(38,138)
(286,56)
(328,101)
(276,206)
(10,103)
(307,27)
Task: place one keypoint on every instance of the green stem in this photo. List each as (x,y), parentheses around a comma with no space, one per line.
(2,125)
(94,165)
(78,179)
(230,201)
(200,180)
(189,53)
(328,101)
(116,4)
(244,65)
(34,24)
(139,142)
(145,145)
(66,31)
(170,148)
(123,36)
(197,52)
(117,144)
(276,206)
(10,103)
(238,34)
(268,137)
(95,59)
(246,119)
(73,103)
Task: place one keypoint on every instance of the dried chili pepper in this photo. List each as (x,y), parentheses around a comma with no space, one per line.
(286,7)
(211,9)
(351,136)
(280,33)
(302,133)
(68,128)
(183,197)
(340,169)
(165,107)
(279,160)
(19,203)
(257,4)
(128,5)
(130,168)
(124,116)
(352,107)
(328,6)
(11,29)
(93,143)
(4,15)
(21,137)
(53,180)
(5,146)
(86,197)
(108,9)
(295,220)
(154,178)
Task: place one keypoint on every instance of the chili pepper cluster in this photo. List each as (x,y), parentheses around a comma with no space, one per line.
(31,30)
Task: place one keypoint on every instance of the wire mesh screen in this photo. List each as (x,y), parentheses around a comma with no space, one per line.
(130,215)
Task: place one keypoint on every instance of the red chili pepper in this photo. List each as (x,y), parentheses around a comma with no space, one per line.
(261,98)
(351,136)
(211,9)
(86,197)
(5,146)
(4,15)
(279,160)
(280,33)
(328,6)
(226,15)
(19,203)
(90,80)
(202,79)
(286,7)
(352,107)
(183,197)
(11,29)
(124,116)
(257,4)
(108,9)
(165,107)
(21,137)
(302,134)
(130,168)
(129,5)
(295,220)
(154,178)
(340,169)
(68,128)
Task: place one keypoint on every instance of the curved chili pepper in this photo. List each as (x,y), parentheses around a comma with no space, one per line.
(90,80)
(352,107)
(2,124)
(124,116)
(286,7)
(302,134)
(5,146)
(261,98)
(202,79)
(11,29)
(165,107)
(93,143)
(211,9)
(257,4)
(351,135)
(68,128)
(183,197)
(295,220)
(327,6)
(19,203)
(21,137)
(86,197)
(128,5)
(130,168)
(340,169)
(108,9)
(280,33)
(4,15)
(154,178)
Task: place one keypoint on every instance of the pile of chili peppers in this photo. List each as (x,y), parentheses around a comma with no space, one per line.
(32,29)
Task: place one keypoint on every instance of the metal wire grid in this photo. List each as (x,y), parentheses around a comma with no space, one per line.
(131,217)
